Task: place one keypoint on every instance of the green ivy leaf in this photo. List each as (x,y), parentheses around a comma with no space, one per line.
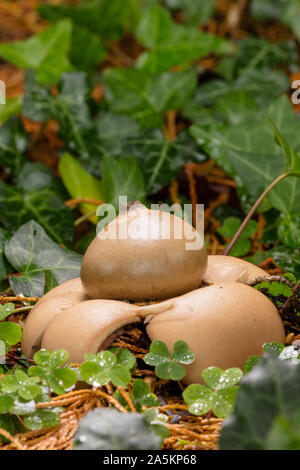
(146,98)
(13,143)
(289,230)
(45,52)
(10,108)
(270,390)
(291,157)
(251,362)
(108,429)
(172,44)
(122,177)
(18,207)
(80,183)
(31,251)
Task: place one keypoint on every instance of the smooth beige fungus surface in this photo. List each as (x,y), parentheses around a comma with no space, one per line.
(85,327)
(51,304)
(223,325)
(222,268)
(148,263)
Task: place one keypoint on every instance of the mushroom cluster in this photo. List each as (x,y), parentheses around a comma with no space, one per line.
(203,300)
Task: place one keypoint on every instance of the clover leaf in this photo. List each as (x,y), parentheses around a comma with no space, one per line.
(167,367)
(104,367)
(218,394)
(49,370)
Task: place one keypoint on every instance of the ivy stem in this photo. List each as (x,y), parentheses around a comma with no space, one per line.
(252,211)
(83,218)
(23,309)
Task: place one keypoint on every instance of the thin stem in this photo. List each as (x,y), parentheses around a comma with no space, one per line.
(252,211)
(22,309)
(83,218)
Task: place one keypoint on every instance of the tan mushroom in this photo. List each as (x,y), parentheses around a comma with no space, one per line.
(223,325)
(143,255)
(230,269)
(51,304)
(88,327)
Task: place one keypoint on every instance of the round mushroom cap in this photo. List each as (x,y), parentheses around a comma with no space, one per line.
(223,325)
(51,304)
(86,327)
(143,255)
(222,268)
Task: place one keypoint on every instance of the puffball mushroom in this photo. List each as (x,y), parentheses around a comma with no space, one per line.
(51,304)
(223,325)
(222,268)
(87,326)
(142,255)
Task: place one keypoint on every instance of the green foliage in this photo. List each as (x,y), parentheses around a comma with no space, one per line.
(104,367)
(46,52)
(80,184)
(10,108)
(218,394)
(13,142)
(145,97)
(171,44)
(31,252)
(48,368)
(106,429)
(277,350)
(166,366)
(229,228)
(266,415)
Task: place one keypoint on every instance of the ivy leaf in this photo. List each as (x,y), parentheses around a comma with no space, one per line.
(107,429)
(241,147)
(50,281)
(172,44)
(270,390)
(291,157)
(10,333)
(30,251)
(97,16)
(41,419)
(229,228)
(11,107)
(18,207)
(80,183)
(112,129)
(251,362)
(36,176)
(122,177)
(194,12)
(146,98)
(13,143)
(5,267)
(94,49)
(45,52)
(159,159)
(289,230)
(287,258)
